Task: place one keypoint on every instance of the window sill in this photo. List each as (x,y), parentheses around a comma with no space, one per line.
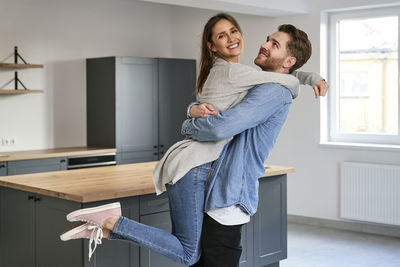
(346,145)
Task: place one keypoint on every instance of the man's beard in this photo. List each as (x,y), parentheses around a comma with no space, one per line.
(269,63)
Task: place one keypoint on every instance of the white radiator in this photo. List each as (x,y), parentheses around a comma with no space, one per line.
(370,192)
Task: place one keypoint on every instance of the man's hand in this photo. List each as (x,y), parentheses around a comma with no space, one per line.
(202,110)
(320,88)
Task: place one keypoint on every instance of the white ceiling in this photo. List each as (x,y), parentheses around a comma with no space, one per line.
(269,8)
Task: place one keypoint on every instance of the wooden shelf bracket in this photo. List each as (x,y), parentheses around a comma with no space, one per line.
(17,80)
(17,56)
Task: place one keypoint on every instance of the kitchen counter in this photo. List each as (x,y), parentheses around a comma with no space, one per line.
(96,184)
(53,153)
(33,208)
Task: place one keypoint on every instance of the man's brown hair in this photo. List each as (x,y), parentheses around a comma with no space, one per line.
(299,45)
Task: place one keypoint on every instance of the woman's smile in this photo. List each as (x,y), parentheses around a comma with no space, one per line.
(233,46)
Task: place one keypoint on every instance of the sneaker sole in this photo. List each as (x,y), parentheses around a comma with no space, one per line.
(71,216)
(69,233)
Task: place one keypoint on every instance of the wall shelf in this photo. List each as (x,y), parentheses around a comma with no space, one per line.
(20,66)
(16,80)
(19,91)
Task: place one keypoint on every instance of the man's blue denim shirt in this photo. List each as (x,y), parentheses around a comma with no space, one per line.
(255,123)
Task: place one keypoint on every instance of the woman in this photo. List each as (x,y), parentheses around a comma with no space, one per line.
(184,169)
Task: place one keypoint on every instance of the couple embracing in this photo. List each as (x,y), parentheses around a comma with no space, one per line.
(211,177)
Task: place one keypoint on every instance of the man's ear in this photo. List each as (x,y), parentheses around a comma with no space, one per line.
(289,62)
(211,47)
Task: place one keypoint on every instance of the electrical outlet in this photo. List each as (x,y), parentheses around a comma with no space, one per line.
(13,141)
(5,141)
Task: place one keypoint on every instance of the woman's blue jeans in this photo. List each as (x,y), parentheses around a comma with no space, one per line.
(186,199)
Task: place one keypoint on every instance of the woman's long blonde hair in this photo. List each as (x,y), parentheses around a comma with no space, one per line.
(207,58)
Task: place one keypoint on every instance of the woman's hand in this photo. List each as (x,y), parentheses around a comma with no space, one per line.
(320,88)
(202,110)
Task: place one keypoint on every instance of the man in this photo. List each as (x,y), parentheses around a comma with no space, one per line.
(255,123)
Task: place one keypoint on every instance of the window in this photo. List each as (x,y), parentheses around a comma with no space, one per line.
(353,84)
(363,101)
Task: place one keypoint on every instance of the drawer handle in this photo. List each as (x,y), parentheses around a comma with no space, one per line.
(34,198)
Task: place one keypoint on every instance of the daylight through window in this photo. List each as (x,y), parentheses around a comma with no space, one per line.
(363,72)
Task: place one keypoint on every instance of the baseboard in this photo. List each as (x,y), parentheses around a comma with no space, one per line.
(356,226)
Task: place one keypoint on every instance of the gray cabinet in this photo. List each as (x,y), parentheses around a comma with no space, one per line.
(137,104)
(136,116)
(122,107)
(270,222)
(246,259)
(16,229)
(36,165)
(176,89)
(111,252)
(264,238)
(49,222)
(149,258)
(30,226)
(3,168)
(154,211)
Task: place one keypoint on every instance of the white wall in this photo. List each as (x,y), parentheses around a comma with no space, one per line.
(313,190)
(60,34)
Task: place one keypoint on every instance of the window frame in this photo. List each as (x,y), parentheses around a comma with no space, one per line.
(330,63)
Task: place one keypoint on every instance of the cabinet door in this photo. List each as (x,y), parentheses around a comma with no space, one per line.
(50,222)
(136,109)
(3,168)
(270,222)
(100,102)
(151,259)
(176,87)
(246,259)
(17,244)
(115,252)
(36,165)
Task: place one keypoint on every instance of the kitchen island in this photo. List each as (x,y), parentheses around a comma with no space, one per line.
(33,209)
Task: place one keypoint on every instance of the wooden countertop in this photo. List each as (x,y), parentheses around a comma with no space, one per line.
(54,153)
(100,183)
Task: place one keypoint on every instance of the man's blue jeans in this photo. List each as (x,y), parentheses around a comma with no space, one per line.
(186,199)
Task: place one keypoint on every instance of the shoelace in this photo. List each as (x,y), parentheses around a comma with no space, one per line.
(96,238)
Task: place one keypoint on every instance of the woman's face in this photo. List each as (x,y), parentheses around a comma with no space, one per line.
(227,41)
